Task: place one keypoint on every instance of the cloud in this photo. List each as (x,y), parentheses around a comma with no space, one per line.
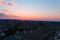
(11,2)
(4,16)
(7,3)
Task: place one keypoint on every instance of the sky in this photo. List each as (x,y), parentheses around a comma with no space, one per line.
(32,9)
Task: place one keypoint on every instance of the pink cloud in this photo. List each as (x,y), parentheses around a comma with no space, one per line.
(7,3)
(4,16)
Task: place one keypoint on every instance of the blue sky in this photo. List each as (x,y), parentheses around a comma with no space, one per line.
(40,9)
(40,5)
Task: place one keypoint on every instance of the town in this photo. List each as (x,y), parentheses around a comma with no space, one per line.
(28,30)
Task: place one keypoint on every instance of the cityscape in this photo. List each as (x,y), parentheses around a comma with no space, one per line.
(29,30)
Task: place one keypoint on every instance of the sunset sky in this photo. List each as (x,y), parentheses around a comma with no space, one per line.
(31,9)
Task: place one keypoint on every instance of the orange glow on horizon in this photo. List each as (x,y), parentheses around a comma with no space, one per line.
(29,17)
(20,13)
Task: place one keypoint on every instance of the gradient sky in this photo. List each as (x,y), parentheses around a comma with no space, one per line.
(34,9)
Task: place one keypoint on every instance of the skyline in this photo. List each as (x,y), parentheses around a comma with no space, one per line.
(33,9)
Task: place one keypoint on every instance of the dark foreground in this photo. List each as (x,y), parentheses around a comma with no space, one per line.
(29,30)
